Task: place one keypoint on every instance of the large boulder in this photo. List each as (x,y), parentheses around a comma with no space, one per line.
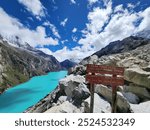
(74,87)
(141,108)
(122,103)
(131,61)
(65,107)
(100,105)
(80,92)
(140,91)
(138,76)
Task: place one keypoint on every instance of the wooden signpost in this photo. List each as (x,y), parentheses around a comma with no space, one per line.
(106,75)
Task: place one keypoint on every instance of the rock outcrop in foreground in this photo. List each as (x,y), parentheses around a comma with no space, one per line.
(72,94)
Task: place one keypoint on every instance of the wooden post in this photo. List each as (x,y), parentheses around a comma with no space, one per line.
(92,98)
(114,98)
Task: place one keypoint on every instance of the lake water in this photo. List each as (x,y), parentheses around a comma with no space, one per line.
(19,98)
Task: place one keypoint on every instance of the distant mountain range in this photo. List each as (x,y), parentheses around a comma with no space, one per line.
(66,64)
(20,62)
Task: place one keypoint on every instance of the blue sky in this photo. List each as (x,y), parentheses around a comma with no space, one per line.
(72,29)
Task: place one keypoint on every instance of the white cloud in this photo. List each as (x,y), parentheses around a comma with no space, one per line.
(53,28)
(73,1)
(76,54)
(145,15)
(120,26)
(91,2)
(97,18)
(10,27)
(74,30)
(63,41)
(130,5)
(74,38)
(34,6)
(63,23)
(106,25)
(119,8)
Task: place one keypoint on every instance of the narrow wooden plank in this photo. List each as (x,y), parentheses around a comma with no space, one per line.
(105,72)
(105,80)
(102,67)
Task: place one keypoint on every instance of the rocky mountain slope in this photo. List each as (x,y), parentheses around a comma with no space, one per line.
(127,44)
(18,64)
(66,64)
(144,34)
(72,94)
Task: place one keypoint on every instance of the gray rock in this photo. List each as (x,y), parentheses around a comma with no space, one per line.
(100,105)
(77,70)
(131,62)
(62,99)
(141,108)
(80,92)
(122,103)
(132,98)
(93,59)
(72,83)
(138,76)
(147,68)
(65,107)
(140,91)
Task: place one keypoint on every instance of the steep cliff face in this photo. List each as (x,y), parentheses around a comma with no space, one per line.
(17,65)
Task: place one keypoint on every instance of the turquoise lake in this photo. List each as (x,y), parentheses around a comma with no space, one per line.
(20,97)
